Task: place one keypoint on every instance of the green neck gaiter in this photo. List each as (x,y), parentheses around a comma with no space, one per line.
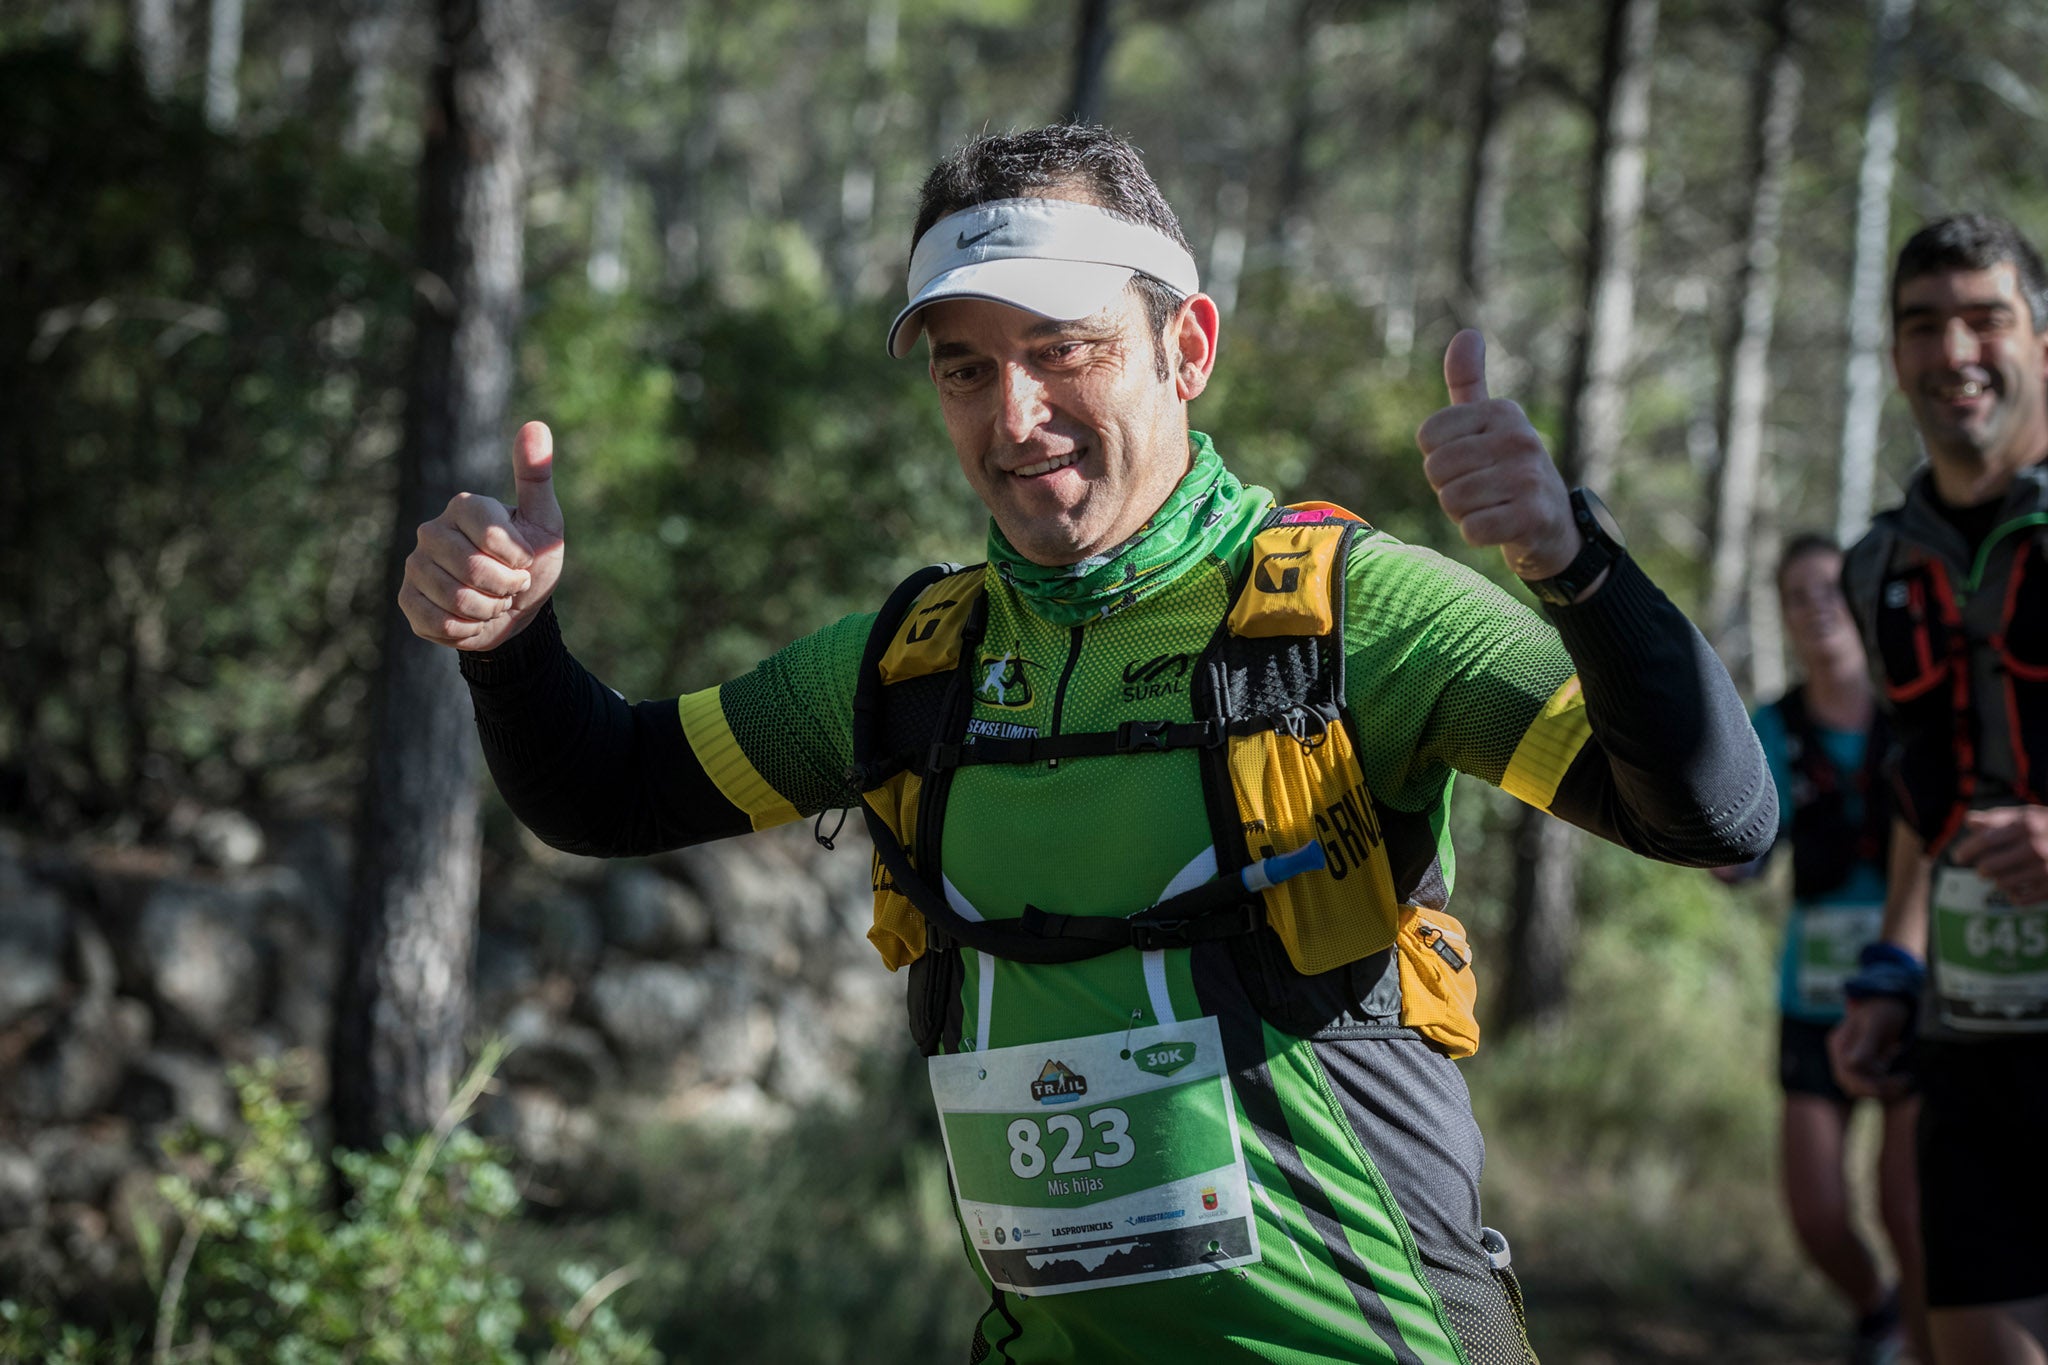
(1190,523)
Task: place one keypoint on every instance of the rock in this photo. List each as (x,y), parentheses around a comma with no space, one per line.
(81,1163)
(813,1059)
(652,915)
(317,853)
(304,950)
(197,953)
(541,1127)
(649,1009)
(94,967)
(765,908)
(227,839)
(567,1059)
(78,1070)
(559,926)
(23,1196)
(738,1039)
(34,928)
(504,972)
(169,1085)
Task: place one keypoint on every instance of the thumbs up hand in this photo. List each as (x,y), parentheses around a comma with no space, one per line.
(1491,472)
(479,571)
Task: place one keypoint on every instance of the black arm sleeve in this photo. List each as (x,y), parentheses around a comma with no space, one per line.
(580,766)
(1674,770)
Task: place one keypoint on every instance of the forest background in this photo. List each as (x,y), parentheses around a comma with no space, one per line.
(279,277)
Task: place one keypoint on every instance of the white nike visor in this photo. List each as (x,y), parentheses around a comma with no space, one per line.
(1053,257)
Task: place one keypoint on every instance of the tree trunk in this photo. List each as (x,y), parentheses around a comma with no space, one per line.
(1614,211)
(1543,924)
(605,269)
(398,1041)
(1766,619)
(1863,385)
(153,33)
(1289,234)
(1226,249)
(223,63)
(1091,56)
(369,33)
(1543,934)
(1745,367)
(1485,198)
(854,258)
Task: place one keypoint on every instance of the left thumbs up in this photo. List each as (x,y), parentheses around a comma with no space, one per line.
(1492,475)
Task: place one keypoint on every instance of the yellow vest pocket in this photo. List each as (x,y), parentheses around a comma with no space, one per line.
(1438,987)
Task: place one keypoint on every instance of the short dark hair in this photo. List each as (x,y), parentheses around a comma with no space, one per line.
(1973,241)
(1800,546)
(1108,170)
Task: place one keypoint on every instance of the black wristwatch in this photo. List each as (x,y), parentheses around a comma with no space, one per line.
(1603,547)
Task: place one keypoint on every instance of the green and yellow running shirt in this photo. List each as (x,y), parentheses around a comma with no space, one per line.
(1199,1153)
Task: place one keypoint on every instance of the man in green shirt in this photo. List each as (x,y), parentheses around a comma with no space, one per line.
(1160,794)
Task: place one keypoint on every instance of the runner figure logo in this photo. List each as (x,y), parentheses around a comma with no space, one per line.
(1003,682)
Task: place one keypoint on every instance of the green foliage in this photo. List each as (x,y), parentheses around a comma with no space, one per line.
(736,476)
(831,1239)
(266,1272)
(1631,1142)
(200,363)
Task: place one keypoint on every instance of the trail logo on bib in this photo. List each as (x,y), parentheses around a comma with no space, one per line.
(1163,1059)
(1058,1084)
(1209,1199)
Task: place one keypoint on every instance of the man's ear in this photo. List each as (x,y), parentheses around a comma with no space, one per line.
(1191,344)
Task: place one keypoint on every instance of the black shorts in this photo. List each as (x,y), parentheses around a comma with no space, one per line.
(1983,1156)
(1803,1059)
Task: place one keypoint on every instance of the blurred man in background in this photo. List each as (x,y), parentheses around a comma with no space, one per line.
(1825,741)
(1159,795)
(1950,590)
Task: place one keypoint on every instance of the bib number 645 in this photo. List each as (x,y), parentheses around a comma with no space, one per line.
(1112,1129)
(2007,935)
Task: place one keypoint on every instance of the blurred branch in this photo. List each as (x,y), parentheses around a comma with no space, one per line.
(186,321)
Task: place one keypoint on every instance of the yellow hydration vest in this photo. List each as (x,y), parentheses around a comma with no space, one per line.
(1289,762)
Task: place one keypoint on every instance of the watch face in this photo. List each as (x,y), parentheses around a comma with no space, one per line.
(1590,502)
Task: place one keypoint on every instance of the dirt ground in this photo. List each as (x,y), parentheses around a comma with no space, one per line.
(1587,1324)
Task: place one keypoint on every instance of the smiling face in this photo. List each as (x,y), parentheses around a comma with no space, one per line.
(1972,365)
(1068,431)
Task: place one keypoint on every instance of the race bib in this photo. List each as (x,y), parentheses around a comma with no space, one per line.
(1097,1161)
(1990,958)
(1830,937)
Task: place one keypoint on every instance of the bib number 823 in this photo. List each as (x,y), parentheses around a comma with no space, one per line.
(1027,1154)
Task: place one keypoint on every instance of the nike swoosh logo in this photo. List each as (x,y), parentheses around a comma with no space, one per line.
(963,241)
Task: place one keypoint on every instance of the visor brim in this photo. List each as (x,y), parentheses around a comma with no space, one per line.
(1064,290)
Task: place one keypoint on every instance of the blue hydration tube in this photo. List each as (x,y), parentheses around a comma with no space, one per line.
(1268,873)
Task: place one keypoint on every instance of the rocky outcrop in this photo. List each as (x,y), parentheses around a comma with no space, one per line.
(730,982)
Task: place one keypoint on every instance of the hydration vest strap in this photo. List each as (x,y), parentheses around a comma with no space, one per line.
(1132,737)
(1214,910)
(867,687)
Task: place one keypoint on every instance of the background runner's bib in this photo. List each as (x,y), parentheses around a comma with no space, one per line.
(1829,938)
(1990,957)
(1097,1161)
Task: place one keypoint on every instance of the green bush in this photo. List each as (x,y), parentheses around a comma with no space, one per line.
(265,1271)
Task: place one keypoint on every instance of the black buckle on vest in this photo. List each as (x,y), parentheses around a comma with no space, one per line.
(1150,936)
(1143,736)
(942,758)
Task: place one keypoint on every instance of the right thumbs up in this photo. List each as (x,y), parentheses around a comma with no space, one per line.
(533,467)
(481,571)
(1490,470)
(1465,367)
